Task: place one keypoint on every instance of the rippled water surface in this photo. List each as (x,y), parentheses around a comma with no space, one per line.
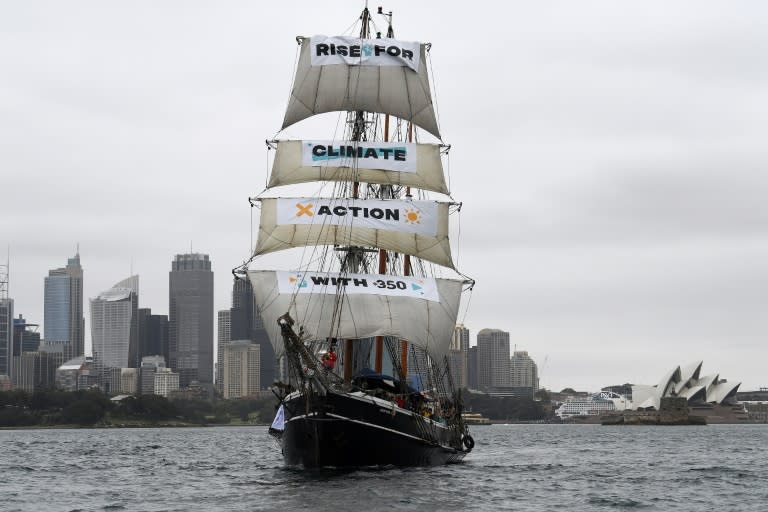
(513,467)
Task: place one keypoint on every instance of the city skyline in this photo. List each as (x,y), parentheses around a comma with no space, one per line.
(609,158)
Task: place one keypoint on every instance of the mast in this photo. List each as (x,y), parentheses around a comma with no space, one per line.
(378,360)
(354,254)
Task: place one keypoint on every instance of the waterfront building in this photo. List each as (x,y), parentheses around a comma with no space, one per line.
(191,318)
(493,358)
(33,371)
(149,366)
(123,381)
(458,356)
(75,374)
(242,369)
(523,372)
(166,381)
(5,383)
(114,328)
(153,334)
(129,381)
(63,308)
(686,382)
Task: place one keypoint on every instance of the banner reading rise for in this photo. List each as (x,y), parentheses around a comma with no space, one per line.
(419,217)
(354,51)
(387,156)
(369,284)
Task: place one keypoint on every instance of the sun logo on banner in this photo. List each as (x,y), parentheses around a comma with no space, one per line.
(294,279)
(412,216)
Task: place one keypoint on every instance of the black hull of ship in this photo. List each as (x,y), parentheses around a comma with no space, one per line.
(344,430)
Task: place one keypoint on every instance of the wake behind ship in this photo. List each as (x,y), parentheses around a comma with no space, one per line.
(363,322)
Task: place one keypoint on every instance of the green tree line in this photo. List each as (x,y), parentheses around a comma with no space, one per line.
(92,408)
(504,408)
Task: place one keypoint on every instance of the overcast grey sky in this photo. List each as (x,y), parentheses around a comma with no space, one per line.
(611,159)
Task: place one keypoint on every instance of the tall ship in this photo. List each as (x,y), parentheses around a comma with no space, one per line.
(363,319)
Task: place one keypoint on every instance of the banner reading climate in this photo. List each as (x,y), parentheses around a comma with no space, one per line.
(354,51)
(419,217)
(387,156)
(370,284)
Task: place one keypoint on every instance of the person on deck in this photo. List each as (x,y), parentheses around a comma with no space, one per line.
(329,359)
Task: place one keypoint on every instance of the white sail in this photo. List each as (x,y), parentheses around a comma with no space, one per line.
(361,84)
(418,228)
(388,163)
(369,305)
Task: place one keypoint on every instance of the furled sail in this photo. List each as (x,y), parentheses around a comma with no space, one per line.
(418,228)
(388,163)
(420,309)
(353,74)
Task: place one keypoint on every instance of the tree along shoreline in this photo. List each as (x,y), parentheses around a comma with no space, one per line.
(94,409)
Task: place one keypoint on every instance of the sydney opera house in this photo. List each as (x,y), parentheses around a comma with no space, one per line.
(689,383)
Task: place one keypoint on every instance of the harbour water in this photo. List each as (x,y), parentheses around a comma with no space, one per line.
(513,467)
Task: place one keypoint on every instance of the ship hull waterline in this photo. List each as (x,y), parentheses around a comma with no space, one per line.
(344,430)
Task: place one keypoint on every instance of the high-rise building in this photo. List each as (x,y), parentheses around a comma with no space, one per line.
(115,327)
(153,334)
(190,319)
(246,324)
(242,362)
(6,335)
(523,371)
(6,323)
(149,366)
(458,355)
(34,370)
(223,338)
(76,374)
(166,381)
(492,358)
(63,318)
(26,338)
(472,368)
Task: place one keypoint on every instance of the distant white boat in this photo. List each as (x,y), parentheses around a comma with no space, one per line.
(594,405)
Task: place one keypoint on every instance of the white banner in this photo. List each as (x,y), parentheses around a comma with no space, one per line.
(368,284)
(419,217)
(354,51)
(387,156)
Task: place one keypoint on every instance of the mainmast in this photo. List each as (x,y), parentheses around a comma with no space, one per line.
(354,255)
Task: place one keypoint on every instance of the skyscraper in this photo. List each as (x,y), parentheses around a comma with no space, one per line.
(492,358)
(63,308)
(458,356)
(26,338)
(223,338)
(472,368)
(6,323)
(190,326)
(241,369)
(6,335)
(115,329)
(246,324)
(523,371)
(153,334)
